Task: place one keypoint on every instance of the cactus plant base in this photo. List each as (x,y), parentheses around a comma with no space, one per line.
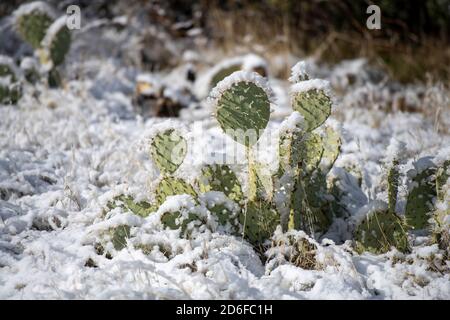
(420,199)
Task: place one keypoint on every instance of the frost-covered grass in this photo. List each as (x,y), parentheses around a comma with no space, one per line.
(66,152)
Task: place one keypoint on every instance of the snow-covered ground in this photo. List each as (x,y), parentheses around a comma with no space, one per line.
(67,152)
(64,153)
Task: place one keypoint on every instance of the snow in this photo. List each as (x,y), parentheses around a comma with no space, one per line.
(240,76)
(53,30)
(300,72)
(65,153)
(35,6)
(314,84)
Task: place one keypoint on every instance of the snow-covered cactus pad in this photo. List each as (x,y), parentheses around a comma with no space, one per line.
(290,145)
(379,231)
(422,191)
(242,104)
(392,161)
(10,88)
(179,211)
(220,178)
(32,21)
(260,219)
(171,186)
(393,182)
(225,210)
(56,43)
(331,148)
(127,203)
(168,150)
(312,98)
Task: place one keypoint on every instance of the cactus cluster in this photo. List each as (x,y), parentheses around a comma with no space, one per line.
(428,185)
(49,37)
(300,194)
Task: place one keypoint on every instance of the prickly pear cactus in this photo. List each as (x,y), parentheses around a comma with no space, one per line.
(379,231)
(223,208)
(171,186)
(119,236)
(56,43)
(32,21)
(220,178)
(442,175)
(259,221)
(142,208)
(332,142)
(419,203)
(312,152)
(393,183)
(313,101)
(10,88)
(168,150)
(242,103)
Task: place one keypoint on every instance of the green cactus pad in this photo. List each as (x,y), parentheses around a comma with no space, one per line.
(10,94)
(243,111)
(142,208)
(442,176)
(260,184)
(290,150)
(332,148)
(168,150)
(10,87)
(380,231)
(393,183)
(32,26)
(260,221)
(171,186)
(119,237)
(220,178)
(312,152)
(175,220)
(56,42)
(420,199)
(314,105)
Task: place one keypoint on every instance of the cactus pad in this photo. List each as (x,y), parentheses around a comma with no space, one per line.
(332,148)
(393,183)
(168,150)
(220,178)
(314,105)
(142,208)
(260,220)
(33,20)
(120,235)
(379,231)
(56,43)
(243,111)
(170,186)
(442,176)
(10,88)
(420,199)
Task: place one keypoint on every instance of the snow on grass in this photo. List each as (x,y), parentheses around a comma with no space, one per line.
(67,152)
